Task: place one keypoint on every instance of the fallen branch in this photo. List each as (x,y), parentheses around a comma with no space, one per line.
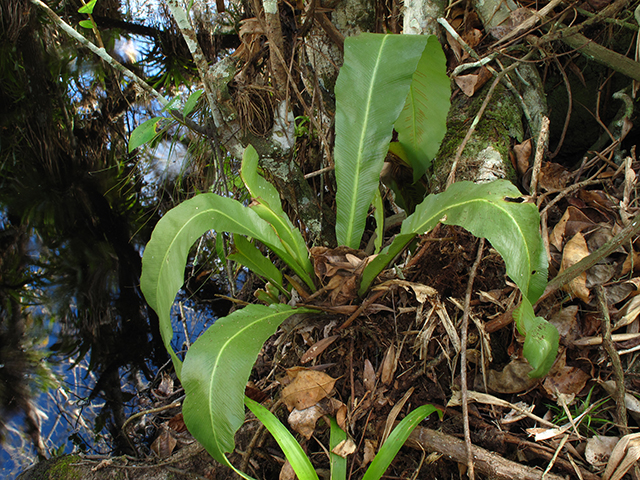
(486,463)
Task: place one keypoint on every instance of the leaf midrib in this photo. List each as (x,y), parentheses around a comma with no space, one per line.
(354,197)
(193,218)
(217,363)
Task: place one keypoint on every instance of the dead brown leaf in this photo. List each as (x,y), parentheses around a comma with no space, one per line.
(389,365)
(368,376)
(573,221)
(470,84)
(345,448)
(523,154)
(164,444)
(514,378)
(566,380)
(553,176)
(287,472)
(307,388)
(574,251)
(317,348)
(177,424)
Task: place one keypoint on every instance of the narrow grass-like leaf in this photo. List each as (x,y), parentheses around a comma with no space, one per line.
(338,463)
(248,255)
(370,91)
(541,339)
(143,133)
(396,439)
(216,370)
(165,255)
(269,208)
(423,121)
(289,445)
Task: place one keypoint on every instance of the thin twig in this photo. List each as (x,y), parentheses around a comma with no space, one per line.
(452,174)
(537,162)
(618,374)
(463,361)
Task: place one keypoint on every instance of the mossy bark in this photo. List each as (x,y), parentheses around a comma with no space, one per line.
(185,464)
(486,154)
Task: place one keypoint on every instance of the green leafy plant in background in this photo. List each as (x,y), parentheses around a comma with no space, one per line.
(383,84)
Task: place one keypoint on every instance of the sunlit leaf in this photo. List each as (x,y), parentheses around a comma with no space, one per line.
(165,256)
(370,91)
(216,370)
(396,440)
(289,445)
(88,8)
(423,121)
(143,133)
(541,339)
(191,102)
(268,206)
(86,23)
(248,255)
(486,211)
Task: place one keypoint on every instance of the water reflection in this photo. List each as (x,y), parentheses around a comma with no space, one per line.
(78,345)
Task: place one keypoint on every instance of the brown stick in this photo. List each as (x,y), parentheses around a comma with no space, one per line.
(626,234)
(463,362)
(486,463)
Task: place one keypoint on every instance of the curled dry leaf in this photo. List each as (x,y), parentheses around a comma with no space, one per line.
(369,451)
(470,84)
(598,449)
(631,311)
(514,378)
(574,251)
(572,222)
(389,365)
(523,154)
(317,348)
(177,423)
(166,386)
(304,421)
(368,376)
(344,448)
(307,388)
(164,444)
(340,269)
(553,176)
(287,472)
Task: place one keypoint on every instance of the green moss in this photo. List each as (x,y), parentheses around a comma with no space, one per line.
(65,470)
(500,123)
(57,468)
